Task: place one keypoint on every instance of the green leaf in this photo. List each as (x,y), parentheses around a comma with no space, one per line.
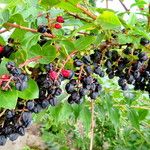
(18,34)
(65,112)
(18,18)
(5,15)
(30,39)
(20,56)
(142,114)
(85,118)
(84,42)
(48,53)
(132,20)
(108,20)
(89,26)
(49,3)
(8,99)
(3,69)
(69,46)
(68,7)
(133,117)
(114,117)
(2,42)
(73,1)
(31,92)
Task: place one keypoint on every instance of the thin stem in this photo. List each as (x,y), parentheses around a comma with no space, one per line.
(2,113)
(86,11)
(80,73)
(124,6)
(92,125)
(2,31)
(78,17)
(28,29)
(67,59)
(35,59)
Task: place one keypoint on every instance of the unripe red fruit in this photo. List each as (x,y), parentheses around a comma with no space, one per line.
(60,19)
(1,49)
(4,78)
(67,73)
(57,26)
(53,75)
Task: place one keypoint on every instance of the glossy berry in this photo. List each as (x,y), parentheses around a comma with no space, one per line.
(3,140)
(21,131)
(78,63)
(10,114)
(1,49)
(13,136)
(67,73)
(60,19)
(57,26)
(69,88)
(42,29)
(53,75)
(30,105)
(144,41)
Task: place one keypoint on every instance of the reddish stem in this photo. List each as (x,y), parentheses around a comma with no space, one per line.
(35,59)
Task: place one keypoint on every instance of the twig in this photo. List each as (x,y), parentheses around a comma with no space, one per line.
(48,19)
(86,11)
(29,61)
(78,17)
(2,31)
(138,107)
(28,29)
(2,113)
(80,73)
(124,6)
(7,86)
(67,59)
(92,125)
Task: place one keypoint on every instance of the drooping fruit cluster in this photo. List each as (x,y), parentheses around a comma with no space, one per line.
(19,79)
(57,25)
(85,84)
(14,123)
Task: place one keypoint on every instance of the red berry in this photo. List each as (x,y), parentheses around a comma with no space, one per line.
(5,76)
(67,73)
(1,49)
(57,26)
(60,19)
(53,75)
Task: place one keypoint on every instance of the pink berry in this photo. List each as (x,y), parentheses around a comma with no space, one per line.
(53,75)
(57,26)
(67,73)
(1,49)
(60,19)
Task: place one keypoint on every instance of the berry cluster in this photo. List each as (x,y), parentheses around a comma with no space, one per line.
(85,84)
(14,123)
(135,71)
(44,29)
(82,82)
(19,79)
